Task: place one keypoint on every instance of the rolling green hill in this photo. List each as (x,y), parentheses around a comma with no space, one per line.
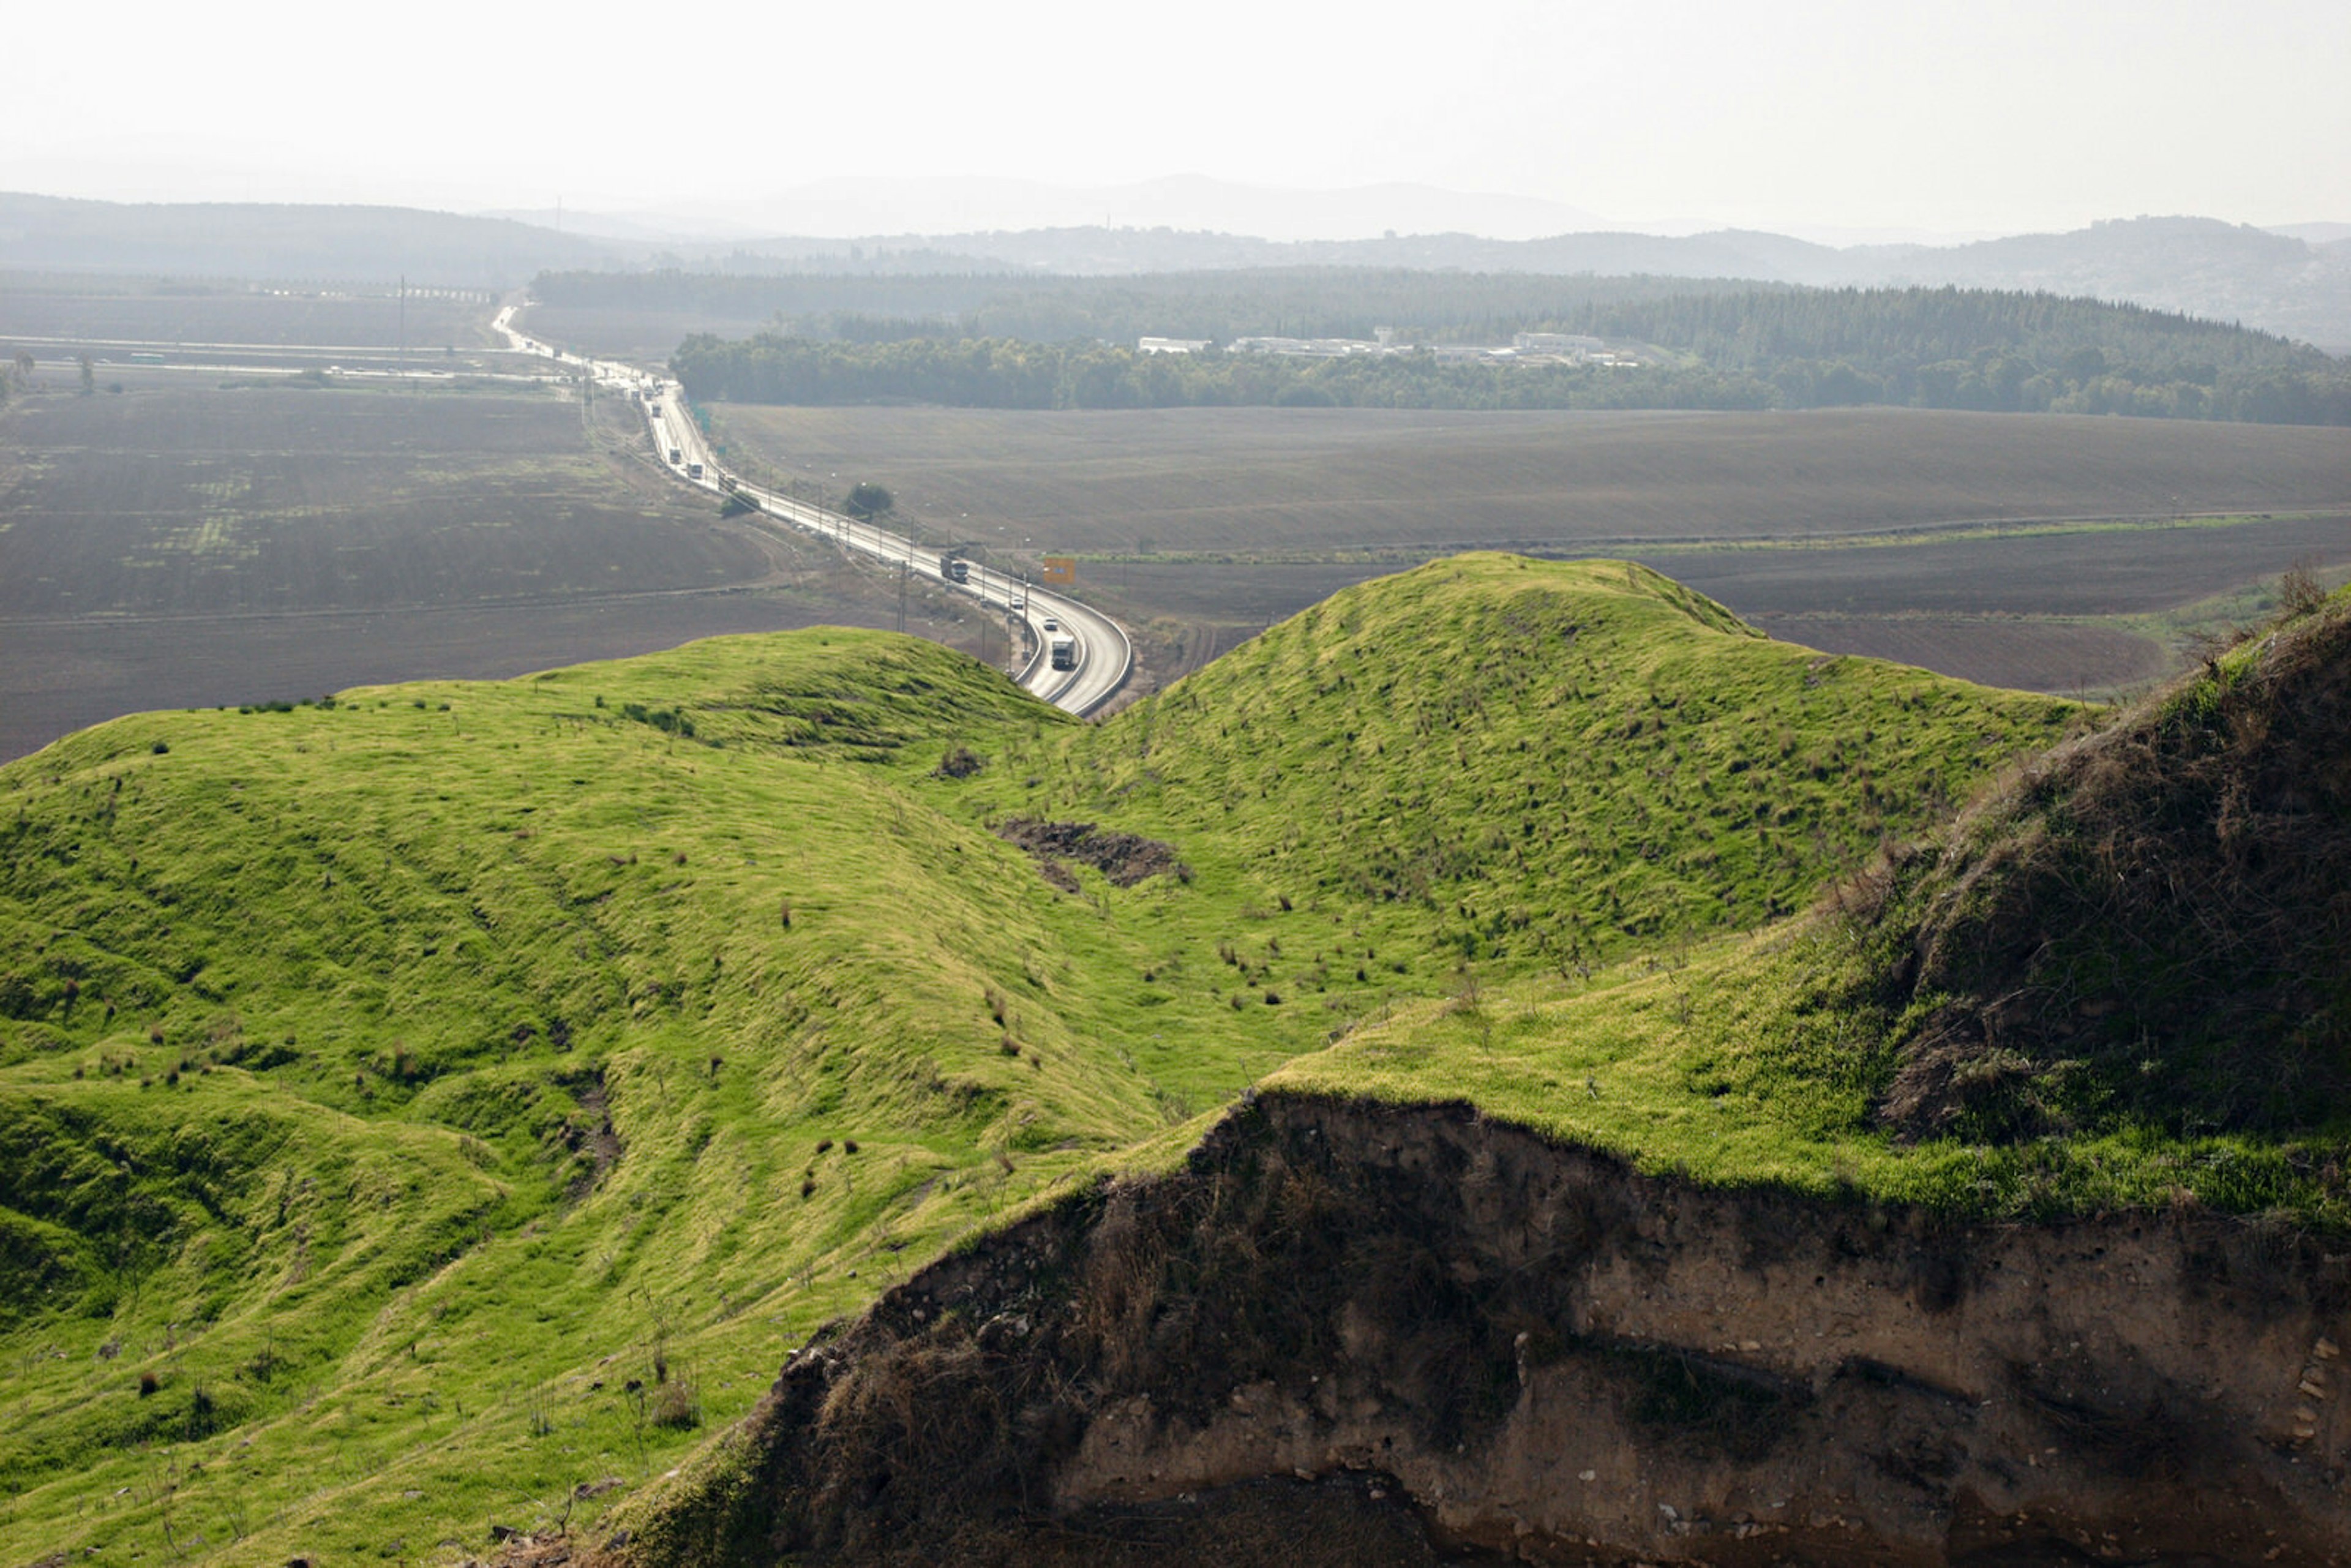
(2116,980)
(420,1103)
(1523,764)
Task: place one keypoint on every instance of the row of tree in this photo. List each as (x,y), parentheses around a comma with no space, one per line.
(1305,302)
(1730,324)
(999,372)
(1892,331)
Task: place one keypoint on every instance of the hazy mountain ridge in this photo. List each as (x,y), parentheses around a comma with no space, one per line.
(2199,266)
(279,240)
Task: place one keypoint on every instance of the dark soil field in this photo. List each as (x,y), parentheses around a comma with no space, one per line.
(1246,516)
(1998,650)
(1275,481)
(284,499)
(2087,572)
(99,311)
(177,548)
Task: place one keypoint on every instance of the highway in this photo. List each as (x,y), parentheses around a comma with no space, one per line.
(1098,655)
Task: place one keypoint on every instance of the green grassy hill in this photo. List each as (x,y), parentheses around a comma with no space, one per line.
(1526,764)
(2120,978)
(416,1105)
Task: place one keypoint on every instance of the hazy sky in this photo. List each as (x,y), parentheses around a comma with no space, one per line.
(1974,115)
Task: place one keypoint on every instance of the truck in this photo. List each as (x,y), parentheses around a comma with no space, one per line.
(953,568)
(1064,649)
(694,470)
(675,456)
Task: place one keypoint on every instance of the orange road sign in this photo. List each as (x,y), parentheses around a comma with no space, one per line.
(1060,570)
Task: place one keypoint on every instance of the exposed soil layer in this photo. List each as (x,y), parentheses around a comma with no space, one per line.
(1352,1333)
(1124,857)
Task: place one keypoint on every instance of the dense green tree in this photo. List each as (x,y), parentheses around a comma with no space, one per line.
(1707,345)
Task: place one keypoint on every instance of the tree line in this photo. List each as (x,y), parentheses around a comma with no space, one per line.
(1988,349)
(1024,341)
(1003,372)
(1010,373)
(1305,302)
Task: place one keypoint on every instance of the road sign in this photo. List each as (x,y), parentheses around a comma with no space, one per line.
(1060,570)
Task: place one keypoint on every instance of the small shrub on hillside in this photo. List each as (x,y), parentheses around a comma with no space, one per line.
(961,762)
(669,721)
(674,1406)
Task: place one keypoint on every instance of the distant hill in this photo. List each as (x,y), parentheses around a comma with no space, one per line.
(256,240)
(2296,281)
(2220,271)
(2224,272)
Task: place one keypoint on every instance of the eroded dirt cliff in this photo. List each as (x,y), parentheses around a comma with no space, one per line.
(1354,1333)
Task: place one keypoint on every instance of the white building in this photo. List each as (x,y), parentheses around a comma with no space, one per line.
(1561,345)
(1170,345)
(1317,348)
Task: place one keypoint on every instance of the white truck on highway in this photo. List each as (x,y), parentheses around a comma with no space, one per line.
(1064,650)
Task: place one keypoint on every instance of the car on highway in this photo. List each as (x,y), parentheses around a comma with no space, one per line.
(1051,624)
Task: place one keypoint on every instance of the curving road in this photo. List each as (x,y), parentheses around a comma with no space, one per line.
(1099,656)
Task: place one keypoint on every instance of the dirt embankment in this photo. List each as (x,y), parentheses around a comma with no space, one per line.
(1354,1334)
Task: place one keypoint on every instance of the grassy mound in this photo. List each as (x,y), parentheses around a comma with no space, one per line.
(2120,978)
(1530,764)
(418,1104)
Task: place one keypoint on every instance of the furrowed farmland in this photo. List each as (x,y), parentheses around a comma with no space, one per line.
(273,499)
(2040,547)
(174,548)
(1262,481)
(90,309)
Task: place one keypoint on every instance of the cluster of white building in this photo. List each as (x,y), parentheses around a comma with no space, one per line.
(1526,348)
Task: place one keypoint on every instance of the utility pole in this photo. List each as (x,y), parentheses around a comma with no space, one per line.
(404,326)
